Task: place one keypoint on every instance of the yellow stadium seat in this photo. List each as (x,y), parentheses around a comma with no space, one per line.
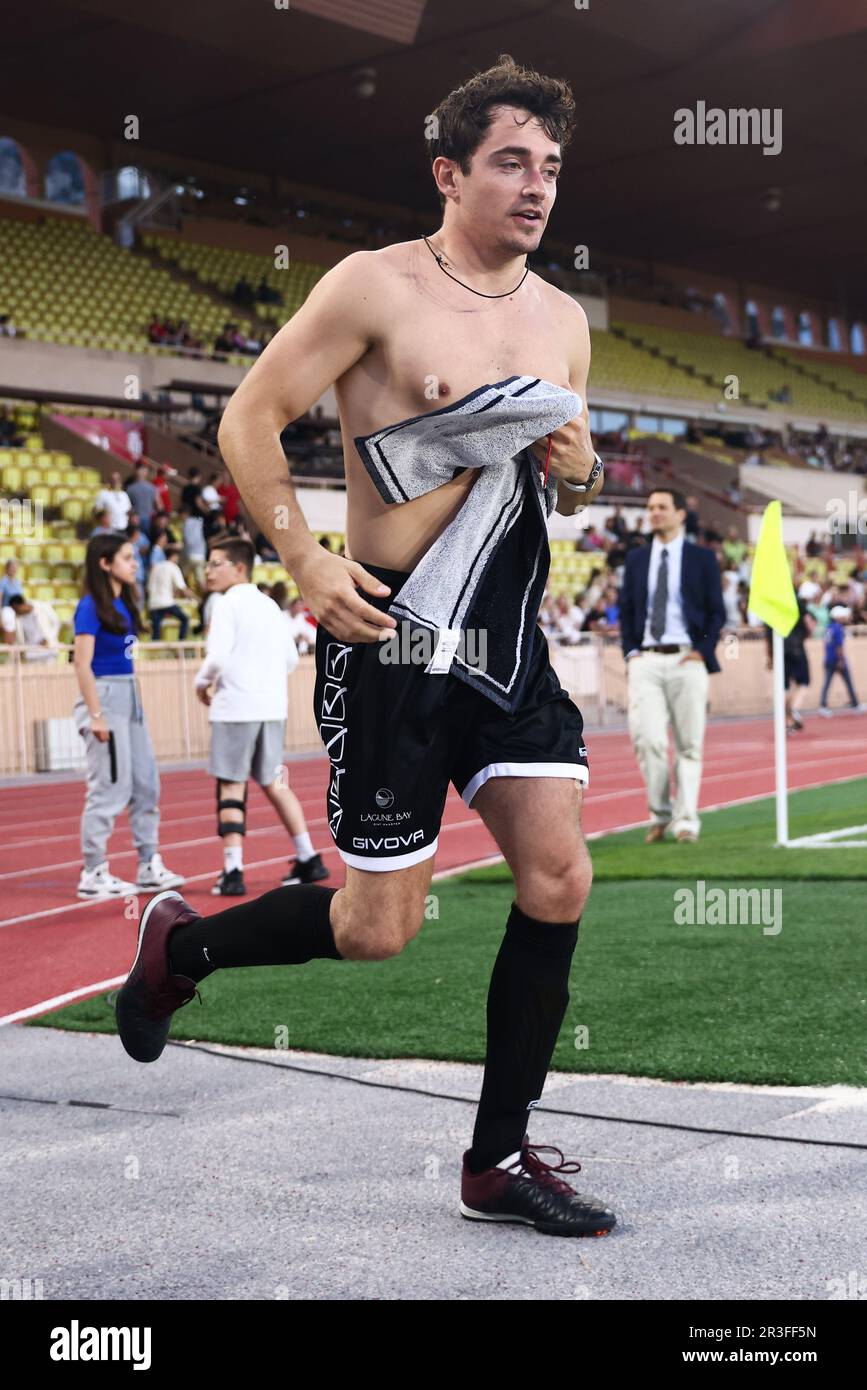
(44,592)
(11,478)
(53,552)
(72,509)
(37,571)
(41,494)
(75,551)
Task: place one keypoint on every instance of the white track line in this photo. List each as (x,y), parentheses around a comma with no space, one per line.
(443,873)
(60,999)
(211,876)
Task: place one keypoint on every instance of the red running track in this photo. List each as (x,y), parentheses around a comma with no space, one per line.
(51,944)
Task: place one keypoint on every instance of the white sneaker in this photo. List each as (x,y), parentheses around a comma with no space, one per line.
(824,711)
(99,883)
(154,874)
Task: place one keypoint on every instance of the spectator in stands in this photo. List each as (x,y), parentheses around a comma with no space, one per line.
(616,524)
(8,328)
(143,495)
(116,502)
(165,586)
(243,294)
(733,493)
(835,658)
(265,551)
(636,537)
(142,547)
(692,525)
(9,584)
(35,624)
(161,524)
(734,549)
(230,497)
(210,495)
(731,601)
(214,522)
(302,626)
(611,607)
(191,494)
(10,436)
(164,496)
(194,549)
(121,767)
(103,525)
(224,341)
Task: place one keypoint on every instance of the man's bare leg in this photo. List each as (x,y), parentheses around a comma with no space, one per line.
(536,822)
(371,918)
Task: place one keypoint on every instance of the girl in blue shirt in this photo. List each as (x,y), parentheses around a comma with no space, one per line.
(121,767)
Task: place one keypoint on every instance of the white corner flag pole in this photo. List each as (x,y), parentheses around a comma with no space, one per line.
(780,741)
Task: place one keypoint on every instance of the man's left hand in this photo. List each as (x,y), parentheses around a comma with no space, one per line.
(572,455)
(691,656)
(203,693)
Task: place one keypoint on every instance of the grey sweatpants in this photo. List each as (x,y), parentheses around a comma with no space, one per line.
(137,783)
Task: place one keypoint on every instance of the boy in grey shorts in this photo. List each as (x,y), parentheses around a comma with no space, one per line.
(250,652)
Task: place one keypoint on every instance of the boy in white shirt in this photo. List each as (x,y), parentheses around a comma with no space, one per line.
(249,654)
(165,586)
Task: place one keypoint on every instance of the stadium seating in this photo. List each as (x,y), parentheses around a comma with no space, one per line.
(643,350)
(222,268)
(109,294)
(50,568)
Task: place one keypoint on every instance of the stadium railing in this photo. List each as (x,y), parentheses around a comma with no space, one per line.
(38,691)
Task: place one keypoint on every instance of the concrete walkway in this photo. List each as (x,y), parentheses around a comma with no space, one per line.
(243,1174)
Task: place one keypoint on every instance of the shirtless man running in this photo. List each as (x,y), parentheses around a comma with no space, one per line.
(418,327)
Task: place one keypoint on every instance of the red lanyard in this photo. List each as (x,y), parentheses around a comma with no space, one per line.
(547,461)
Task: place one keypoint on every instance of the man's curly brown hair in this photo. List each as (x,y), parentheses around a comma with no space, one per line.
(463,117)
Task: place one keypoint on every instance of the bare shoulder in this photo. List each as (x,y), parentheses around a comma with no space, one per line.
(568,310)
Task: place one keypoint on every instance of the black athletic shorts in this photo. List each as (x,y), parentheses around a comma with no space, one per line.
(795,669)
(396,736)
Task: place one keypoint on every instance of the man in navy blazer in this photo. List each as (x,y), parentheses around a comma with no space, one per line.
(671,615)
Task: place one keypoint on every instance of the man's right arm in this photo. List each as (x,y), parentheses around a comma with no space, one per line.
(334,327)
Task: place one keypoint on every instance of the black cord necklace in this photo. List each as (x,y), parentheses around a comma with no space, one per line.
(439,258)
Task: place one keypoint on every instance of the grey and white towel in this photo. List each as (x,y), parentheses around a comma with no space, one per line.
(486,573)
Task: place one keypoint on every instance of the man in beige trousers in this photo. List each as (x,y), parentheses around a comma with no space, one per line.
(671,615)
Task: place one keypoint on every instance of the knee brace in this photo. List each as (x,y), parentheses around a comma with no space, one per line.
(231,827)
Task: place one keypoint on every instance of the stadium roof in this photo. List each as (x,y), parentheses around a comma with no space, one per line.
(271,90)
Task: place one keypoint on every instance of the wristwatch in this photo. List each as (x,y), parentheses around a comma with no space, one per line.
(591,479)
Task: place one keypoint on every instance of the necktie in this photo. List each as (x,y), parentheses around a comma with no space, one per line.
(660,599)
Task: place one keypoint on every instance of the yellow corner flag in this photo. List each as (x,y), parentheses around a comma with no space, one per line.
(772,594)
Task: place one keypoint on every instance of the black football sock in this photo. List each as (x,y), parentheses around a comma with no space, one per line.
(527,1001)
(287,926)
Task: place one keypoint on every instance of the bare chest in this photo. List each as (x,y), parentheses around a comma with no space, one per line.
(442,344)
